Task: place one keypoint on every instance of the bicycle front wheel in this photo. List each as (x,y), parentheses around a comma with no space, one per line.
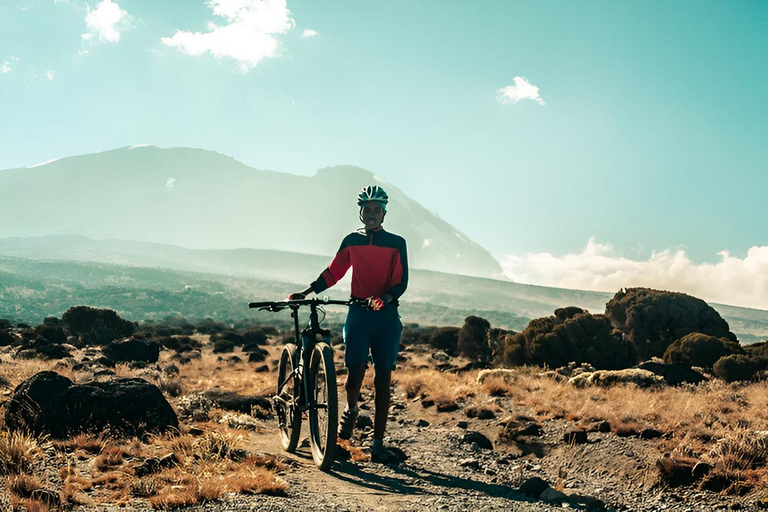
(287,399)
(324,406)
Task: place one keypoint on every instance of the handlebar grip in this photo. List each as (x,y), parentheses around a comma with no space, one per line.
(260,304)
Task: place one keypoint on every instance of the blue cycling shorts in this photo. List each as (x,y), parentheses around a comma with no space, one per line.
(375,332)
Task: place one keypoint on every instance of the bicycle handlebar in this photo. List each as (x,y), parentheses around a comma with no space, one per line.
(295,304)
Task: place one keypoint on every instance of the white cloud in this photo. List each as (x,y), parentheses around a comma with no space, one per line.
(310,33)
(107,21)
(50,74)
(522,90)
(6,68)
(249,36)
(732,280)
(170,183)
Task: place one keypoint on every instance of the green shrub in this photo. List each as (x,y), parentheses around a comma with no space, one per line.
(221,346)
(571,335)
(473,339)
(652,320)
(737,367)
(697,349)
(445,338)
(96,326)
(255,336)
(51,332)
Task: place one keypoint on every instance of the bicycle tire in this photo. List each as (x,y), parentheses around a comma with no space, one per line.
(324,406)
(288,392)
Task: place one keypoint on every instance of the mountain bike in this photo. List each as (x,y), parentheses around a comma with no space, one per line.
(306,381)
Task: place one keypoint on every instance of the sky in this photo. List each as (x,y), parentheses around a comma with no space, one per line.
(585,144)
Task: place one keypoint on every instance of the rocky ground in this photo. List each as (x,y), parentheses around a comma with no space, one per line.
(508,459)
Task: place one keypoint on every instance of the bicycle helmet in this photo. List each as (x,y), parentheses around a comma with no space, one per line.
(373,193)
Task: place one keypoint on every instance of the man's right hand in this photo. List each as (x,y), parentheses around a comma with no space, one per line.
(297,296)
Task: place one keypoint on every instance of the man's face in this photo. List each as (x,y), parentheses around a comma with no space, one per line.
(373,215)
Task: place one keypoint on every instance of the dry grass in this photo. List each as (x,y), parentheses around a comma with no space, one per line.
(207,373)
(440,387)
(497,386)
(715,422)
(220,445)
(23,485)
(97,469)
(18,452)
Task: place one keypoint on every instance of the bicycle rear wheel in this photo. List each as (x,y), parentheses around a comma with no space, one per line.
(287,399)
(324,406)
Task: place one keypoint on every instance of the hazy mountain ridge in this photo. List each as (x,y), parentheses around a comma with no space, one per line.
(236,276)
(204,200)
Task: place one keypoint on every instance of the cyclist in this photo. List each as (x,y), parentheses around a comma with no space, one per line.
(379,277)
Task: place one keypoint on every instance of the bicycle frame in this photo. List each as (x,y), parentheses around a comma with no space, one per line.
(305,340)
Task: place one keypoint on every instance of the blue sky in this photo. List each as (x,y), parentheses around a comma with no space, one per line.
(648,138)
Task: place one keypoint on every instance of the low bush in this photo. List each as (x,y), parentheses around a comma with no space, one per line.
(737,367)
(223,346)
(96,326)
(209,326)
(229,335)
(51,332)
(445,338)
(472,340)
(255,336)
(698,349)
(571,335)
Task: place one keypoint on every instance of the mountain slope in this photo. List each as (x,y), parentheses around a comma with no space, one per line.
(205,200)
(432,297)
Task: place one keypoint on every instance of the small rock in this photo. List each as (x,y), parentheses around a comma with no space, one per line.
(422,423)
(575,437)
(169,461)
(462,424)
(448,406)
(476,437)
(469,463)
(604,427)
(364,421)
(261,369)
(551,495)
(427,402)
(534,486)
(194,431)
(650,433)
(148,467)
(700,470)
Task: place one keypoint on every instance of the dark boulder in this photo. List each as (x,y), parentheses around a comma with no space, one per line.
(534,486)
(231,401)
(674,374)
(132,350)
(38,403)
(476,437)
(48,403)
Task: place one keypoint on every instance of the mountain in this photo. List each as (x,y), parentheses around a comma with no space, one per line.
(45,275)
(204,200)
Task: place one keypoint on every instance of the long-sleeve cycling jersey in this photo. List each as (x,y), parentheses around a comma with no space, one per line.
(379,265)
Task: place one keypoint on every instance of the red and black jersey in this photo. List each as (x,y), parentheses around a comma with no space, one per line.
(379,265)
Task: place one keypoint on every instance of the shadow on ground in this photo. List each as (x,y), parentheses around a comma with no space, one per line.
(407,482)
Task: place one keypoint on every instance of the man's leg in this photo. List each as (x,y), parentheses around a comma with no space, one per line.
(382,383)
(355,378)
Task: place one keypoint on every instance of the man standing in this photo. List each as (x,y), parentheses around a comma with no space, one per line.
(379,277)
